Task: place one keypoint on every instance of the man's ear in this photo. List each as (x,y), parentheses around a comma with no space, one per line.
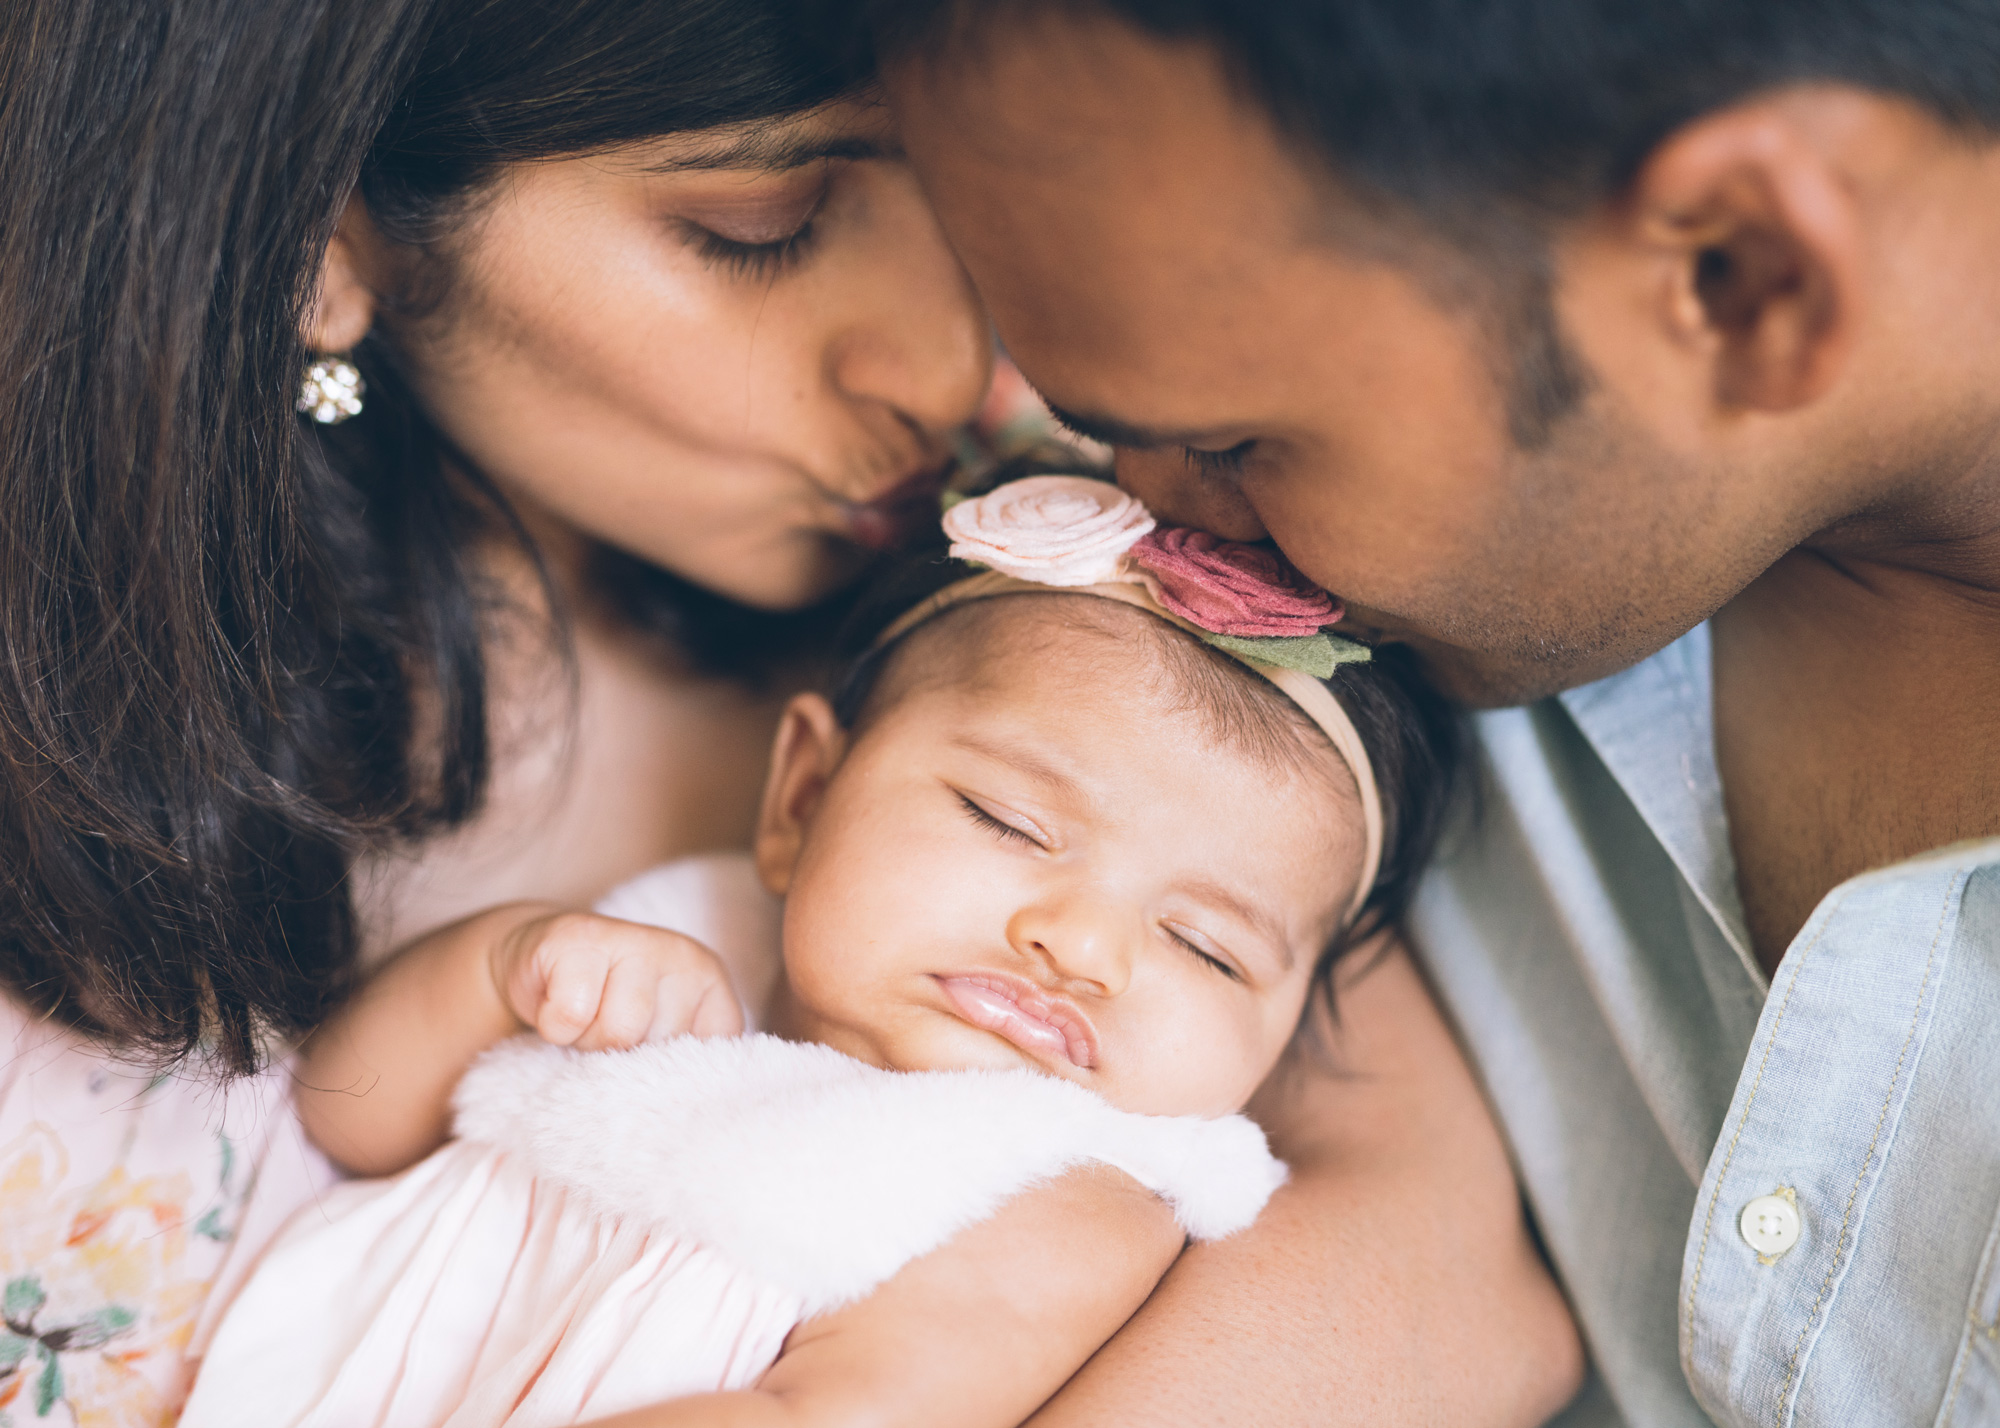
(350,274)
(809,746)
(1766,247)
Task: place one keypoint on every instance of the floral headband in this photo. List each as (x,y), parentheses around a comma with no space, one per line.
(1087,537)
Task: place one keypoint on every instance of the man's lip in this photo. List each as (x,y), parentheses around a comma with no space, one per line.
(1043,1025)
(900,512)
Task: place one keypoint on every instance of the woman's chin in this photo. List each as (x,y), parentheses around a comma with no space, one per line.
(798,574)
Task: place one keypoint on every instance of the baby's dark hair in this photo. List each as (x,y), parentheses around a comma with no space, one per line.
(1412,735)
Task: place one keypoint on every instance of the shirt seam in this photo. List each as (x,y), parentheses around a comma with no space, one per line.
(1965,1351)
(1967,1344)
(1742,1121)
(1840,1244)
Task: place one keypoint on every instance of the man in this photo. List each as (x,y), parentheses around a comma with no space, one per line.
(1639,366)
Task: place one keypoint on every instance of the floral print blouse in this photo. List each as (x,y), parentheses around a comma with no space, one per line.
(130,1203)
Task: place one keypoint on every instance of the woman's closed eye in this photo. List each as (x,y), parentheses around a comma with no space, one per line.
(1002,828)
(758,234)
(742,259)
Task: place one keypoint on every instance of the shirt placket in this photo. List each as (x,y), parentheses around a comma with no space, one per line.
(1789,1189)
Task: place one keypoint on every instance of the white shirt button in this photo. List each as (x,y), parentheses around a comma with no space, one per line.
(1771,1224)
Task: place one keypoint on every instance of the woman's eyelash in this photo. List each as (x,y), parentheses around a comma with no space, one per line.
(753,260)
(1005,831)
(1217,463)
(1213,961)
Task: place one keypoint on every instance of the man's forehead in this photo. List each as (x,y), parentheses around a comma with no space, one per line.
(1086,110)
(1109,192)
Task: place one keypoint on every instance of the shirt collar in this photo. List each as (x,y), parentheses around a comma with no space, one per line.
(1654,727)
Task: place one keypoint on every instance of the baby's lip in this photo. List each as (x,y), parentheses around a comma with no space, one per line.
(1044,1025)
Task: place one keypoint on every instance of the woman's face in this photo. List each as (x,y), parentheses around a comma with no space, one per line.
(736,353)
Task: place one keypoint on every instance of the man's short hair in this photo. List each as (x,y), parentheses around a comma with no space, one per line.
(1451,104)
(1483,123)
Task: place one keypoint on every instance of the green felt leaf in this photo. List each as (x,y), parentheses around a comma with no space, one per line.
(12,1350)
(1317,655)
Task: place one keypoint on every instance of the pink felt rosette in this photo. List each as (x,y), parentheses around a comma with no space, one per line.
(1228,588)
(1053,530)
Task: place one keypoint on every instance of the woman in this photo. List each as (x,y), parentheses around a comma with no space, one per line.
(654,337)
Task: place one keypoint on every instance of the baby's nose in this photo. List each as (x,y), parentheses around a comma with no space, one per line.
(1079,940)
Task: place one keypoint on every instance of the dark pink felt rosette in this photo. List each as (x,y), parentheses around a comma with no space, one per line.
(1230,588)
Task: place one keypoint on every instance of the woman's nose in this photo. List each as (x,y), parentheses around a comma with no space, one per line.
(918,342)
(1180,495)
(1078,939)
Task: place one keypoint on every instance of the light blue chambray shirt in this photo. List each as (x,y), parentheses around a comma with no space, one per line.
(1587,939)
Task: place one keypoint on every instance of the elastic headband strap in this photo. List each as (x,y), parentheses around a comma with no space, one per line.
(1301,688)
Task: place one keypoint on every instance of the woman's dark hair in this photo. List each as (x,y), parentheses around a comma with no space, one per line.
(216,625)
(1412,734)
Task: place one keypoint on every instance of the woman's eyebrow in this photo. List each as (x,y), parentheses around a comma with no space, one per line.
(764,149)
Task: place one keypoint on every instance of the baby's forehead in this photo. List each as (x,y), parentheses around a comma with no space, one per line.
(1083,644)
(1166,727)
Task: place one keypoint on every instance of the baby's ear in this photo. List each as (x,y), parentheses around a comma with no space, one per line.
(809,746)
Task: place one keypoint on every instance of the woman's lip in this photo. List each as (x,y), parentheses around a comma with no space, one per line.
(900,512)
(1044,1026)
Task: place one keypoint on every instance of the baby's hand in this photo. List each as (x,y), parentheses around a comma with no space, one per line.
(597,982)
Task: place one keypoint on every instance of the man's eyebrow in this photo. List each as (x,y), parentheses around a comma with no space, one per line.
(763,148)
(1113,432)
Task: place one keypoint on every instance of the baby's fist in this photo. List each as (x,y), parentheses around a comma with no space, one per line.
(594,982)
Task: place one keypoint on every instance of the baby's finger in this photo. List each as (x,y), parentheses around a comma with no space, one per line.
(719,1013)
(695,999)
(625,1010)
(575,987)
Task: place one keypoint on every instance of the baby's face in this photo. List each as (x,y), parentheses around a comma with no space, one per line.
(1038,856)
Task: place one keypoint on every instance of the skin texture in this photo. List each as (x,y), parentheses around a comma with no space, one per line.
(715,368)
(1179,916)
(374,1082)
(1051,714)
(1789,328)
(736,353)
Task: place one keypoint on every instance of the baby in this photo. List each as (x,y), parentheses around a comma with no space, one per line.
(1060,866)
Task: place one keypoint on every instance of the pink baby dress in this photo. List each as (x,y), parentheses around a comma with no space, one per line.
(614,1229)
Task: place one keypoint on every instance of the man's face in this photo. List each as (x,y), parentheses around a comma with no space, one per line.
(1268,361)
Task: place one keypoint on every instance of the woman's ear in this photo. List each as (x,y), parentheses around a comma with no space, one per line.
(1767,250)
(809,746)
(343,305)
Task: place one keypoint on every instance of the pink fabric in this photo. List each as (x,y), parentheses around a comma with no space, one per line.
(464,1295)
(129,1206)
(1228,588)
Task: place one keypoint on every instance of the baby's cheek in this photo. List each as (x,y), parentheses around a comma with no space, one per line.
(1205,1061)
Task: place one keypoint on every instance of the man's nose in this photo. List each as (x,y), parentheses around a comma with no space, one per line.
(1181,495)
(1078,938)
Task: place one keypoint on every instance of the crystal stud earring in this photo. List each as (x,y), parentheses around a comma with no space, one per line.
(332,390)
